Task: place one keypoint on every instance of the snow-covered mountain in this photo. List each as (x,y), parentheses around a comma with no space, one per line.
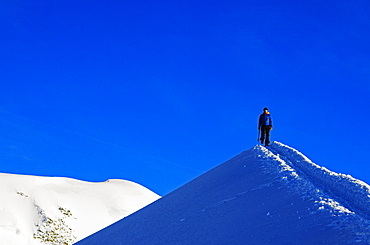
(265,195)
(49,210)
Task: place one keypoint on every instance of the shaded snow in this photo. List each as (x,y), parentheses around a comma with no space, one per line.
(272,195)
(63,209)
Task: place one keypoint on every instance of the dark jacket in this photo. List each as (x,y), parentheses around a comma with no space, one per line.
(265,120)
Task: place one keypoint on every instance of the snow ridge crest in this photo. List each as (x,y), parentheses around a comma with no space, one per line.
(352,194)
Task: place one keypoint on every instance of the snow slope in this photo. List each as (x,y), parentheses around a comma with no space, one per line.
(56,210)
(272,195)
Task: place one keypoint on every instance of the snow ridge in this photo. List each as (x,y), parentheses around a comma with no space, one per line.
(265,195)
(350,192)
(285,170)
(339,194)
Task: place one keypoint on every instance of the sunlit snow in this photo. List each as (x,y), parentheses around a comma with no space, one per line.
(48,210)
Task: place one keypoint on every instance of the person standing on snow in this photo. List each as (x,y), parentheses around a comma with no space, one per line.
(264,126)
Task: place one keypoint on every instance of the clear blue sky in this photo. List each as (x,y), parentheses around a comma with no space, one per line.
(158,92)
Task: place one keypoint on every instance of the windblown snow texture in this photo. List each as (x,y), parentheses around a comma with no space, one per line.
(272,195)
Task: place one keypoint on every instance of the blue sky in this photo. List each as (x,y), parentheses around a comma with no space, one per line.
(160,92)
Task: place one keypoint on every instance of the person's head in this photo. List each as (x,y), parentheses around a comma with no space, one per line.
(265,109)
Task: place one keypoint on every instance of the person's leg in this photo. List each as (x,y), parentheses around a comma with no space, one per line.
(263,132)
(267,140)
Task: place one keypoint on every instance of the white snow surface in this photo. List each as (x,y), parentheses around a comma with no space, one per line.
(51,210)
(265,195)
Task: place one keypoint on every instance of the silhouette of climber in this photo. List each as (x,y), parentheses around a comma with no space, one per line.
(264,126)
